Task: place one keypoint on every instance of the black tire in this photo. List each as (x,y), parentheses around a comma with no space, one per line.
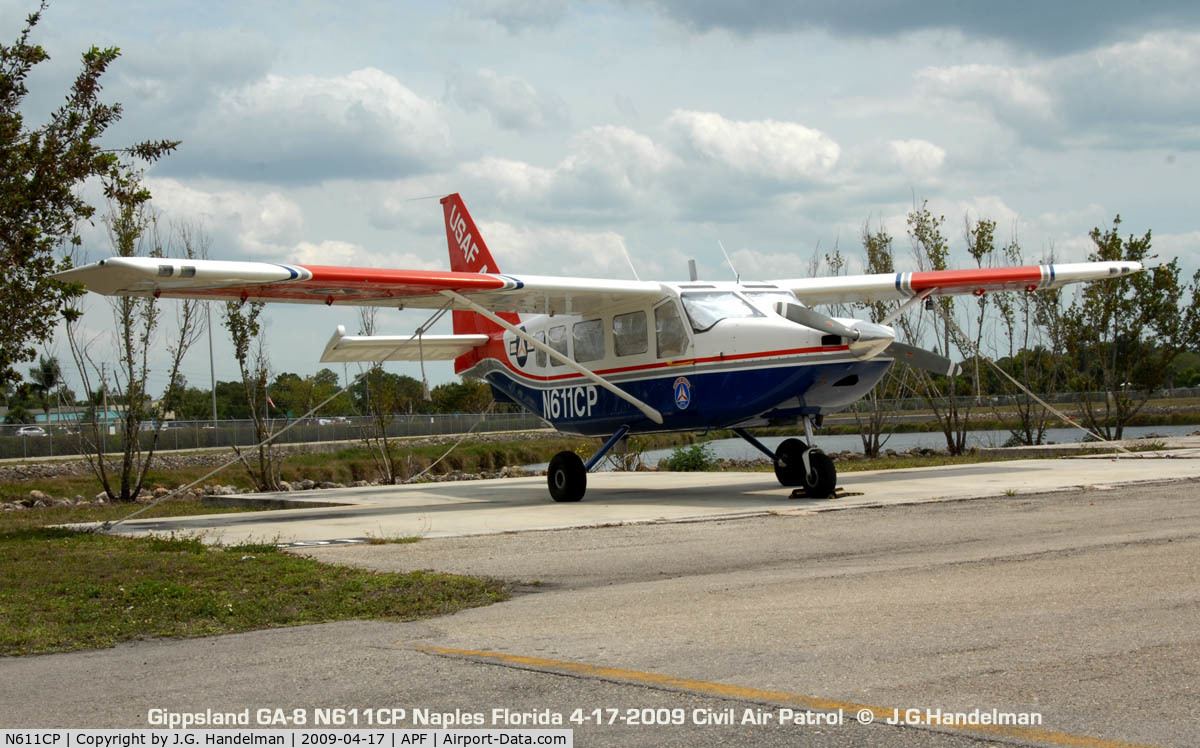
(789,462)
(821,481)
(566,477)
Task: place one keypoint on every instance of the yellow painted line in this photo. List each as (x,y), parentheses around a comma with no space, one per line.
(743,693)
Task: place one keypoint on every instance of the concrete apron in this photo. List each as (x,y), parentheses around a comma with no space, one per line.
(519,504)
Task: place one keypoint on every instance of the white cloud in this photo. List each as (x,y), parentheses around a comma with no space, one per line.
(268,227)
(259,224)
(511,180)
(917,157)
(753,264)
(1012,95)
(513,103)
(1134,94)
(311,128)
(608,168)
(348,254)
(559,251)
(784,151)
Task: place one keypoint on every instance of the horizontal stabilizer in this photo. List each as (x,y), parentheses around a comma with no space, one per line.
(347,348)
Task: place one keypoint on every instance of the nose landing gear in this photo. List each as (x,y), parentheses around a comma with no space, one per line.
(799,465)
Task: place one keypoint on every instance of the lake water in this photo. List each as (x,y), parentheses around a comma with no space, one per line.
(740,449)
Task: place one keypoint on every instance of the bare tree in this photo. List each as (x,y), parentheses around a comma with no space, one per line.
(874,413)
(133,230)
(1031,325)
(382,405)
(250,349)
(951,399)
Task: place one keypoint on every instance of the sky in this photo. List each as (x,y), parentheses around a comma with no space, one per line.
(323,132)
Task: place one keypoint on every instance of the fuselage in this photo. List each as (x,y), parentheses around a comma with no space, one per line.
(705,355)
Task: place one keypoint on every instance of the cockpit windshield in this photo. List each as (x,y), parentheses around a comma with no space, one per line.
(708,308)
(766,300)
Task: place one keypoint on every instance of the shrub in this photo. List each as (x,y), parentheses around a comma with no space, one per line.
(691,459)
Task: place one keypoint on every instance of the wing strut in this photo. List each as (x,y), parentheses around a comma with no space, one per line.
(648,411)
(906,306)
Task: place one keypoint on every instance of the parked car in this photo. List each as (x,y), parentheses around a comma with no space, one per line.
(31,431)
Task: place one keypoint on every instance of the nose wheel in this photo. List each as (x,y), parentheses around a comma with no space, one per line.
(797,464)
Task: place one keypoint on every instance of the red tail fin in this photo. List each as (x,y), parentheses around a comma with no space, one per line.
(469,254)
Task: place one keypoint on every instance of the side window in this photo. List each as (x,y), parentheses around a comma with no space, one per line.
(558,341)
(541,355)
(629,334)
(589,340)
(669,333)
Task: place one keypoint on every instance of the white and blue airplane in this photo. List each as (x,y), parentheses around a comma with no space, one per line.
(615,357)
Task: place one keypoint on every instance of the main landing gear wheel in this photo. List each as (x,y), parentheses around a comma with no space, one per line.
(567,477)
(789,462)
(822,478)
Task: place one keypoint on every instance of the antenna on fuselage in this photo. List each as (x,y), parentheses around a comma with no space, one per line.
(737,278)
(692,274)
(628,259)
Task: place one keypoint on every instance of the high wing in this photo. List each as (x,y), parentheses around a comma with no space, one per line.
(319,284)
(893,286)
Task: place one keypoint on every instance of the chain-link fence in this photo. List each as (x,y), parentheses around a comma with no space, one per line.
(1057,398)
(52,440)
(49,440)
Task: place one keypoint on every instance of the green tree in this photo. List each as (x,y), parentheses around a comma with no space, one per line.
(1124,333)
(466,396)
(402,393)
(45,378)
(41,171)
(296,395)
(231,401)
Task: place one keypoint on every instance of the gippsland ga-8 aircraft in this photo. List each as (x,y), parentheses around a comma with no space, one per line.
(615,357)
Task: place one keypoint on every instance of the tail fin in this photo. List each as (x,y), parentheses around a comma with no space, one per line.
(468,254)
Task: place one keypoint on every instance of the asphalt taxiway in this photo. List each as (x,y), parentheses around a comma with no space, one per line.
(1081,605)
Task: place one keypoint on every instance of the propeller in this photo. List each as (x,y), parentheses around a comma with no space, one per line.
(868,339)
(923,359)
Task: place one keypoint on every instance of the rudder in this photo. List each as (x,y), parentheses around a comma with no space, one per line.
(468,252)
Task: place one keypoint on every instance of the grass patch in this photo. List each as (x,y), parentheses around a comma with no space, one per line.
(62,590)
(395,540)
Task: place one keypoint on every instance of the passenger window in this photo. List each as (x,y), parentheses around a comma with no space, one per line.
(589,340)
(541,355)
(558,341)
(669,333)
(629,334)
